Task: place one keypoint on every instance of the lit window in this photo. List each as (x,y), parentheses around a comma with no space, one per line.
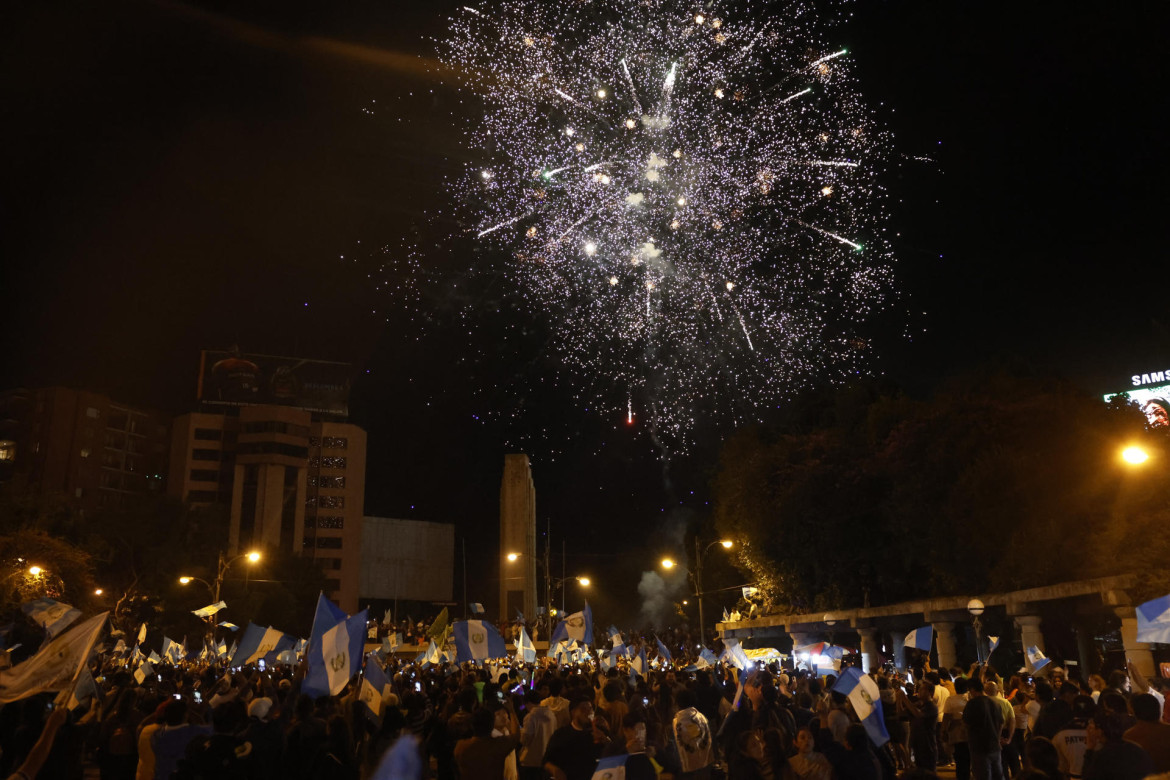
(7,449)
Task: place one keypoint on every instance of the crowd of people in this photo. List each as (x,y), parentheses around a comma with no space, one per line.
(515,721)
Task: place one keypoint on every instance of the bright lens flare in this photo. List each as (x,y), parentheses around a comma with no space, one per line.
(667,563)
(35,570)
(1135,456)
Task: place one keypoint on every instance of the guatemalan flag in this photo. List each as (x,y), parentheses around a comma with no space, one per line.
(255,645)
(375,685)
(920,638)
(53,616)
(663,653)
(993,642)
(611,768)
(578,626)
(863,694)
(1036,658)
(476,640)
(335,649)
(525,649)
(1153,621)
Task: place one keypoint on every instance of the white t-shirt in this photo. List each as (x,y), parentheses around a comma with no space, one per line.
(941,695)
(1070,744)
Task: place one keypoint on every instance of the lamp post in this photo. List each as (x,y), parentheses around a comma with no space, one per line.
(975,607)
(222,566)
(697,574)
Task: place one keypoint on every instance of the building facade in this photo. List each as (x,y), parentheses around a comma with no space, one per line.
(82,445)
(291,482)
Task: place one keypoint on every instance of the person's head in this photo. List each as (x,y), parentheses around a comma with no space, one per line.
(805,741)
(1112,725)
(1044,692)
(990,689)
(1068,692)
(1096,682)
(1041,754)
(1113,702)
(1083,708)
(1057,676)
(483,721)
(925,689)
(634,727)
(1146,707)
(974,688)
(1119,680)
(754,687)
(259,708)
(555,686)
(175,712)
(581,710)
(960,686)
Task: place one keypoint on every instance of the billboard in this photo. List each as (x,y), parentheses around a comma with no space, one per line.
(1151,393)
(232,378)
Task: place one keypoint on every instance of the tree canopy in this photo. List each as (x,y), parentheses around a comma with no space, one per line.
(865,496)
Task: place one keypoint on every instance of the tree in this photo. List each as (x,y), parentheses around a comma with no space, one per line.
(999,481)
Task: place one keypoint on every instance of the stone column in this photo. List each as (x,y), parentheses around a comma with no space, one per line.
(1030,635)
(945,641)
(871,653)
(1138,652)
(897,649)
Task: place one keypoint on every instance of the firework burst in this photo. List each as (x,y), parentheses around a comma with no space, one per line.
(689,194)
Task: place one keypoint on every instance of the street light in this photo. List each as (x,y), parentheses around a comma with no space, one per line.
(35,570)
(697,574)
(97,592)
(976,608)
(1134,455)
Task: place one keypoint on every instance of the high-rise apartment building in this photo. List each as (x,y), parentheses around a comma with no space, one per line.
(293,477)
(85,446)
(517,538)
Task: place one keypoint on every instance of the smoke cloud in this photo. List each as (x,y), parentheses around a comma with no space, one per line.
(659,595)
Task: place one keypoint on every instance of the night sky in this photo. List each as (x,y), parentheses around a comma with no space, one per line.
(181,176)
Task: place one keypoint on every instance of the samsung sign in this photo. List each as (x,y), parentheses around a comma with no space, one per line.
(1152,378)
(1151,395)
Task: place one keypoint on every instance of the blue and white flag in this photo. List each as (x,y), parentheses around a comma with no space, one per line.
(726,617)
(85,689)
(433,655)
(142,634)
(477,640)
(209,610)
(229,626)
(863,694)
(120,647)
(256,643)
(577,626)
(336,657)
(611,768)
(153,658)
(171,650)
(1153,621)
(375,685)
(1036,658)
(50,615)
(607,661)
(663,653)
(143,671)
(476,608)
(706,659)
(993,642)
(525,649)
(920,638)
(638,663)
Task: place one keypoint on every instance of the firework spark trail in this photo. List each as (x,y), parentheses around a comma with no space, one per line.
(724,180)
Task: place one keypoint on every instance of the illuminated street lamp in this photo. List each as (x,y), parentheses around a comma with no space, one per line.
(976,607)
(35,570)
(252,557)
(697,574)
(1134,455)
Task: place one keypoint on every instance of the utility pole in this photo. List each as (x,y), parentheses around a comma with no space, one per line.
(699,589)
